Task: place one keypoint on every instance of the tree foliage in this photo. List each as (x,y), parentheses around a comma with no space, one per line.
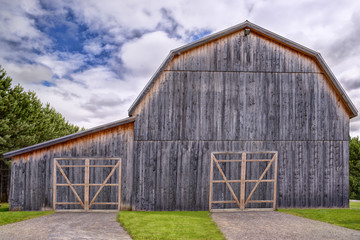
(24,120)
(354,161)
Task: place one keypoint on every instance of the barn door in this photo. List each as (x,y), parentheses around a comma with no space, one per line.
(87,184)
(242,180)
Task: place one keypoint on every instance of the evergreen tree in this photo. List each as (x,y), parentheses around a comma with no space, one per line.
(24,120)
(354,162)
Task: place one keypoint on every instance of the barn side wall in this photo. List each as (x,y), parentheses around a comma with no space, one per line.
(174,175)
(241,93)
(32,173)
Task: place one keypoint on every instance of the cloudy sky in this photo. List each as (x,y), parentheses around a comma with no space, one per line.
(91,58)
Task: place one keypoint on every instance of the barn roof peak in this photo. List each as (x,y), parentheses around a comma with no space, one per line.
(261,31)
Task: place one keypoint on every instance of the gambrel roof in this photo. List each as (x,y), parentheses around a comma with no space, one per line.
(261,31)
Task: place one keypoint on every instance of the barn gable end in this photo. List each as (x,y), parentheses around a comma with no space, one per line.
(241,92)
(242,88)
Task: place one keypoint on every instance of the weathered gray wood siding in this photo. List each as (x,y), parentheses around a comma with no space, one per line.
(240,93)
(32,173)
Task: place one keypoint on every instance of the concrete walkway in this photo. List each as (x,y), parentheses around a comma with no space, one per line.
(276,225)
(66,226)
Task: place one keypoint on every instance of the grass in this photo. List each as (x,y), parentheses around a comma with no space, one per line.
(355,205)
(349,218)
(169,225)
(7,217)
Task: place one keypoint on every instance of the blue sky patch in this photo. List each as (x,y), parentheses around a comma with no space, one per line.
(199,34)
(48,84)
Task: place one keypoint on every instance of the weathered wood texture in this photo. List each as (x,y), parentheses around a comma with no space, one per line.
(32,173)
(174,175)
(240,93)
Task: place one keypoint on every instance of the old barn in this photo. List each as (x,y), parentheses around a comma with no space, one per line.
(243,118)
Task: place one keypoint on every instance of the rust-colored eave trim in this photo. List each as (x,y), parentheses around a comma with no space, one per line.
(69,137)
(261,31)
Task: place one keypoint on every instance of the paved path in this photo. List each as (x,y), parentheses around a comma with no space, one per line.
(66,226)
(276,225)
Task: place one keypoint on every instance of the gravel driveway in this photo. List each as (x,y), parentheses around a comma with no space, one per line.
(66,226)
(276,225)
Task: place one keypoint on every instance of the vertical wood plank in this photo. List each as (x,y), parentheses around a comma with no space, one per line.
(243,178)
(54,184)
(275,180)
(86,182)
(211,181)
(119,186)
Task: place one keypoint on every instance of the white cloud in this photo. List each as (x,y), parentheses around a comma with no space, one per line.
(117,15)
(96,96)
(28,73)
(14,20)
(16,26)
(93,47)
(62,63)
(144,55)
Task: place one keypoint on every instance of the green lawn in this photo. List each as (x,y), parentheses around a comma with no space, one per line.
(349,218)
(7,217)
(169,225)
(355,205)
